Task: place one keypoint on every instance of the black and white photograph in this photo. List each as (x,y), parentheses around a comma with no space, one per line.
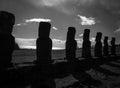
(59,43)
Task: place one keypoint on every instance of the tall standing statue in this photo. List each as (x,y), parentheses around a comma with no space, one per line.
(98,45)
(113,46)
(71,44)
(7,40)
(44,43)
(106,46)
(43,74)
(86,46)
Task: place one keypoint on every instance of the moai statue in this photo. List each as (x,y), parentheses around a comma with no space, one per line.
(86,46)
(106,46)
(44,43)
(44,57)
(113,46)
(7,40)
(71,44)
(98,45)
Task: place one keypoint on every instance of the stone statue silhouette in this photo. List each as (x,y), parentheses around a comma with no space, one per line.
(86,46)
(98,45)
(44,43)
(113,46)
(71,44)
(43,63)
(7,40)
(106,46)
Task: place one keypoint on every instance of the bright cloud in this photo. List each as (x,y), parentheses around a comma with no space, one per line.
(26,43)
(79,42)
(59,43)
(33,20)
(86,21)
(20,24)
(81,35)
(37,20)
(54,28)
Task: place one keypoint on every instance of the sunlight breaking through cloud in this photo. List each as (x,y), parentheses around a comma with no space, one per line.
(86,21)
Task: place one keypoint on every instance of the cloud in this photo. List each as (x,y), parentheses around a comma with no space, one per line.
(111,5)
(116,31)
(79,42)
(54,28)
(37,20)
(60,5)
(26,43)
(31,43)
(20,24)
(50,3)
(81,35)
(33,20)
(86,21)
(57,43)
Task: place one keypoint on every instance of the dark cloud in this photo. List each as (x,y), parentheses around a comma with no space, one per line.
(111,5)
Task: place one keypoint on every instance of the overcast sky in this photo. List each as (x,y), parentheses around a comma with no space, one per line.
(98,15)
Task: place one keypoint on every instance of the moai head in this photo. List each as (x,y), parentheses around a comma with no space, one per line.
(71,33)
(44,29)
(106,38)
(86,34)
(113,41)
(98,36)
(7,20)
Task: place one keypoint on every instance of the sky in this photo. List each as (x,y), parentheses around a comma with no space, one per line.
(97,15)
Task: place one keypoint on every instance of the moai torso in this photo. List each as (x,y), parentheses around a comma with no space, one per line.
(71,44)
(98,45)
(113,46)
(44,43)
(86,46)
(7,43)
(106,47)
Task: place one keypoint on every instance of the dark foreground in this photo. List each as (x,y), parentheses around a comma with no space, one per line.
(90,72)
